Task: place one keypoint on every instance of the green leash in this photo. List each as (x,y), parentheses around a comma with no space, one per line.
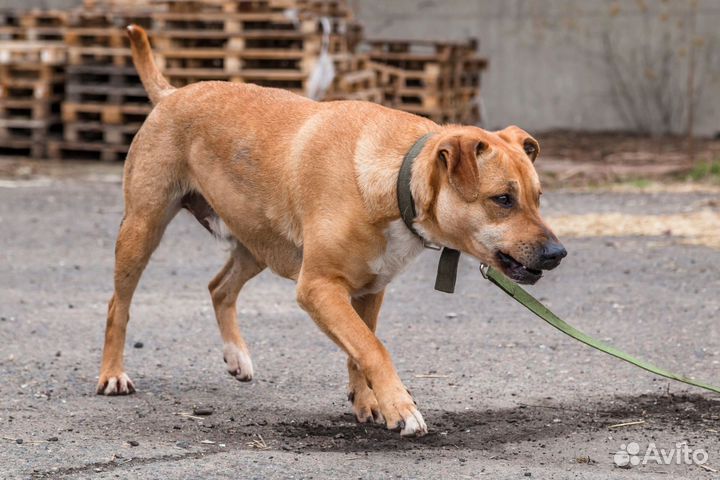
(532,304)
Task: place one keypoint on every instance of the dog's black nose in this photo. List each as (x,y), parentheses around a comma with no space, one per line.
(552,253)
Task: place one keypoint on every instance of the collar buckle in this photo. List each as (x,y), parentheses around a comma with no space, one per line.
(484,268)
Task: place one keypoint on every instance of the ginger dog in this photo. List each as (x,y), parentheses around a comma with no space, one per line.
(308,189)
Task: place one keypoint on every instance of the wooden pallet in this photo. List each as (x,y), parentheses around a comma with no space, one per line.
(10,17)
(116,5)
(34,25)
(242,41)
(63,150)
(99,112)
(98,46)
(257,39)
(23,89)
(230,23)
(119,57)
(27,52)
(22,148)
(98,132)
(31,81)
(31,73)
(111,37)
(117,18)
(424,61)
(31,130)
(354,79)
(439,80)
(225,6)
(29,109)
(229,61)
(108,75)
(44,34)
(31,88)
(108,94)
(28,137)
(44,18)
(326,8)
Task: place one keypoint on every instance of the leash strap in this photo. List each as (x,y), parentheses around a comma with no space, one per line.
(449,259)
(532,304)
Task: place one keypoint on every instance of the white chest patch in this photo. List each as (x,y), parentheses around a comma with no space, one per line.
(402,247)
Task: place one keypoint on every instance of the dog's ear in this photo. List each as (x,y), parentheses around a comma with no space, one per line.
(459,155)
(520,137)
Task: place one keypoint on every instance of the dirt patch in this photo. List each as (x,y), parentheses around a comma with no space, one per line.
(574,158)
(696,228)
(491,429)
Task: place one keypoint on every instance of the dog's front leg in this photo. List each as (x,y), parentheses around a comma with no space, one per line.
(327,300)
(364,404)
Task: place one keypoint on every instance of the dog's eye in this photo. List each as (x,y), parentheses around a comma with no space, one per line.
(504,200)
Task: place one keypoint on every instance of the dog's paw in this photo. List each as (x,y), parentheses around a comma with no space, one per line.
(365,406)
(115,385)
(401,414)
(238,362)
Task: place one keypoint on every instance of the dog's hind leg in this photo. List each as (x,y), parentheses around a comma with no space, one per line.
(224,289)
(140,233)
(363,400)
(152,199)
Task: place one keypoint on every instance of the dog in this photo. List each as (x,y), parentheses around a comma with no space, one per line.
(309,189)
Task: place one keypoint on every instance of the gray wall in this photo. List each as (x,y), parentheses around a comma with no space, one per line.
(572,64)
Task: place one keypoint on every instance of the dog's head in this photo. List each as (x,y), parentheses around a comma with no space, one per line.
(482,197)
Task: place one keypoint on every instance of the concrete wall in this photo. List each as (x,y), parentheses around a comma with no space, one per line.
(572,64)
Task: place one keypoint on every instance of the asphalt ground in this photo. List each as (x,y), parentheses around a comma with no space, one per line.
(504,395)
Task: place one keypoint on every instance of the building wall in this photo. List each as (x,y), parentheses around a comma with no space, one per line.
(570,64)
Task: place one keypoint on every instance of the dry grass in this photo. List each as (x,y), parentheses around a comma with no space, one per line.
(697,228)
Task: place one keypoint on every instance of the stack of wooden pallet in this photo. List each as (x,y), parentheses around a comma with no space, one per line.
(355,79)
(33,25)
(105,103)
(31,88)
(274,43)
(439,80)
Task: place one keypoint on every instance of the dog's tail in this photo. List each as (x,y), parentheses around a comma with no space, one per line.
(155,84)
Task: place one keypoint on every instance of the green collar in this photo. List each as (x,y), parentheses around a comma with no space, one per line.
(447,267)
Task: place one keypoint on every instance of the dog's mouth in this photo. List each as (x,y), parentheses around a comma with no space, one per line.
(516,270)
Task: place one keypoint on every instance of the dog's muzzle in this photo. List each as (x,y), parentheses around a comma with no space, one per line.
(548,258)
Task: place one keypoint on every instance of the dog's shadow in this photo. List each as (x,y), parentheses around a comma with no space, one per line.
(487,429)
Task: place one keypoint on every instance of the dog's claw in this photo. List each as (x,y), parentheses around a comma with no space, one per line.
(414,426)
(240,376)
(377,417)
(238,362)
(401,414)
(116,385)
